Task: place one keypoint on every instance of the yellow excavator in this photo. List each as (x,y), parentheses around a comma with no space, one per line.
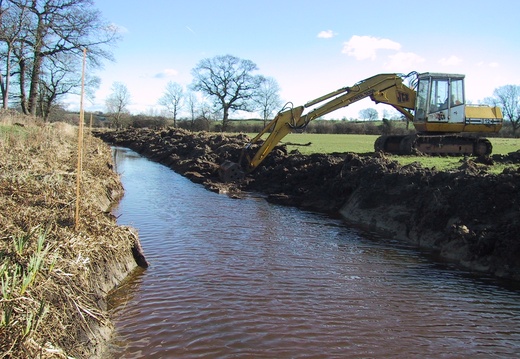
(433,102)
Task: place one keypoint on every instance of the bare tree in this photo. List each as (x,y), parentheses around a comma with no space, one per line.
(508,99)
(368,114)
(229,82)
(61,75)
(206,114)
(268,98)
(13,21)
(191,102)
(51,28)
(172,99)
(200,112)
(117,102)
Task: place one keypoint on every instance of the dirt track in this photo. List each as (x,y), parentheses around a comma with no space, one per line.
(467,216)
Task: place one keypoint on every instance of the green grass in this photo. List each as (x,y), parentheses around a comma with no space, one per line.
(10,129)
(502,146)
(329,143)
(10,133)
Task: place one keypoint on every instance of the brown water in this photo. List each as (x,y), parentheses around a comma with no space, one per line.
(245,279)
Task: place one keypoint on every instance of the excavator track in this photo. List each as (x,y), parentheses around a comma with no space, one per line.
(443,145)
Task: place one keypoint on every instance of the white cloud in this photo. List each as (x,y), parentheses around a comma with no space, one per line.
(166,73)
(403,61)
(365,47)
(326,34)
(490,64)
(450,61)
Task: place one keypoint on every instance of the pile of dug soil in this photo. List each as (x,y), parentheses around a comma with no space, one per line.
(467,216)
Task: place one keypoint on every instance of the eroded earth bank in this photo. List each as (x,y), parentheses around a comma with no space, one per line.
(467,216)
(57,265)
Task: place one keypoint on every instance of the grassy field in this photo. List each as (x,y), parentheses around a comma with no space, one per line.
(325,143)
(329,143)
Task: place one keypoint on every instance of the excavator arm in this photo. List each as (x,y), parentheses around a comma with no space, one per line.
(382,88)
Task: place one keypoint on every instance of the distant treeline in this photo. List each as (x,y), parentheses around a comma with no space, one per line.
(255,126)
(333,127)
(394,127)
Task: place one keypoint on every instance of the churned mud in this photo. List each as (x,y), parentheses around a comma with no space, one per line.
(467,216)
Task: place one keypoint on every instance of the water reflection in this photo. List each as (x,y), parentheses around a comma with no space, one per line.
(243,278)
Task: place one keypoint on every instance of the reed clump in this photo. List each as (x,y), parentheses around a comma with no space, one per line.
(54,276)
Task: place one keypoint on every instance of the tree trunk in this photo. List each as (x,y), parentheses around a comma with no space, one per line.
(37,64)
(23,95)
(4,94)
(35,78)
(225,119)
(6,85)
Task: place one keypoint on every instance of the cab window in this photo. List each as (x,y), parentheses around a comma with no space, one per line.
(457,93)
(439,96)
(422,99)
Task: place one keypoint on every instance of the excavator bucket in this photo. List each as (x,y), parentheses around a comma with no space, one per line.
(231,172)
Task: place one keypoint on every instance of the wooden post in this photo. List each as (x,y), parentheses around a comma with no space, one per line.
(80,143)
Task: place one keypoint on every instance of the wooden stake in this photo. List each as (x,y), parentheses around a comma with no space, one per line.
(80,143)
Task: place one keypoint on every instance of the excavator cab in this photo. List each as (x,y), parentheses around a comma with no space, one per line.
(441,107)
(437,94)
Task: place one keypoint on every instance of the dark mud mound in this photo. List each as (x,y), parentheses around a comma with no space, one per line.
(467,215)
(194,155)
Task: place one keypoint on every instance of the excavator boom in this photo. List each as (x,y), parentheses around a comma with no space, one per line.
(382,88)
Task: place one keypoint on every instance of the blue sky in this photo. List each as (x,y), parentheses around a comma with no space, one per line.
(310,47)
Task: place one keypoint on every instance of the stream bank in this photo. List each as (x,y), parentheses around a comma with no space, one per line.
(56,275)
(467,216)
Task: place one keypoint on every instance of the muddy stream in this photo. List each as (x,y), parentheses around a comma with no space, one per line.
(244,278)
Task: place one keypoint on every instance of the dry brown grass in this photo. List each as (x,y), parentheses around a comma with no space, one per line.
(54,278)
